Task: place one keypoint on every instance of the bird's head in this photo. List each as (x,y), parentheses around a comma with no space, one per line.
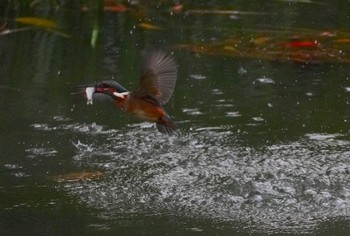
(104,90)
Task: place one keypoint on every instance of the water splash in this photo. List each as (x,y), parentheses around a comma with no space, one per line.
(281,188)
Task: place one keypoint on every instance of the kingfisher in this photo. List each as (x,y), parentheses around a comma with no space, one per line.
(156,85)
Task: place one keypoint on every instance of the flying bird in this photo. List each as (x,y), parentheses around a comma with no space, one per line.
(156,85)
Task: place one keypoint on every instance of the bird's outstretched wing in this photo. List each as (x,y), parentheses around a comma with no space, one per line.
(158,78)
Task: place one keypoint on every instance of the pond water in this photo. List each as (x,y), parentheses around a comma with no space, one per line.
(264,145)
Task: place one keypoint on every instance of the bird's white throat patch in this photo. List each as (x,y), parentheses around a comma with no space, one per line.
(122,95)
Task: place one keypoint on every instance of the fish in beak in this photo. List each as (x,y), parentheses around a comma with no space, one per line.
(89,92)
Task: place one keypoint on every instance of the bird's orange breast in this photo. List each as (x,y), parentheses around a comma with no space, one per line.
(141,108)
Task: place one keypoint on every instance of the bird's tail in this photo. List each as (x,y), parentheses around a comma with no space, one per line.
(165,125)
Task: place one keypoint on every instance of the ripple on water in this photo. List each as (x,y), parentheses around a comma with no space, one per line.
(287,187)
(192,111)
(39,151)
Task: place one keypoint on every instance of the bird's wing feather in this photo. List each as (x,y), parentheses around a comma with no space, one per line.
(158,78)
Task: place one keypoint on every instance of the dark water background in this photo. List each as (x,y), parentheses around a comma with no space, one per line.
(265,145)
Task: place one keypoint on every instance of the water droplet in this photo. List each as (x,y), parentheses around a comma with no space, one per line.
(242,71)
(198,77)
(265,80)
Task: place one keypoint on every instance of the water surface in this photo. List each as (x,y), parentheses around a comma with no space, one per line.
(264,147)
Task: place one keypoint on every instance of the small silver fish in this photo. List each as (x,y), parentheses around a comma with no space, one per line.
(89,92)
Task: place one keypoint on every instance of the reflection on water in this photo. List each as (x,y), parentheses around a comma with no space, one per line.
(208,175)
